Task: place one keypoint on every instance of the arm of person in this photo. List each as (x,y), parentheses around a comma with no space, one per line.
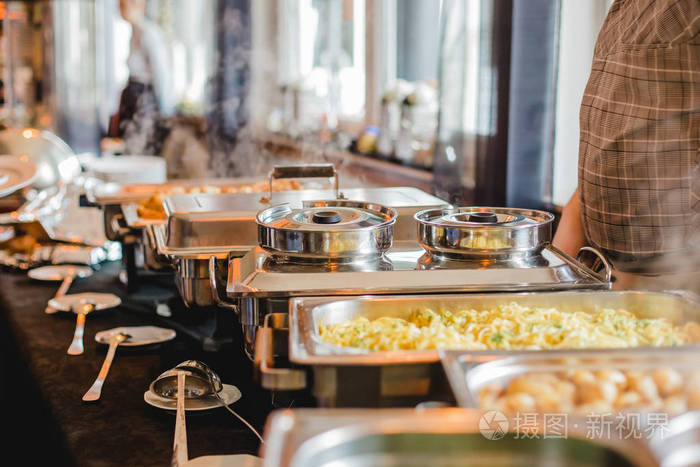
(569,236)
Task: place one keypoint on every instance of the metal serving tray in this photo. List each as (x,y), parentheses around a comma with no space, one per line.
(447,437)
(469,375)
(346,376)
(117,193)
(252,276)
(228,220)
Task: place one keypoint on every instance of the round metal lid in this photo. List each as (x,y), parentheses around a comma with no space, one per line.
(326,229)
(484,232)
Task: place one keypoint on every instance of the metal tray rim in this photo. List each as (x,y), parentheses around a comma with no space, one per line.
(300,337)
(458,364)
(587,280)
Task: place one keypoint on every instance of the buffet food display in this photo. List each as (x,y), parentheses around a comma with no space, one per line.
(263,280)
(200,226)
(508,326)
(390,297)
(152,207)
(444,437)
(582,391)
(580,383)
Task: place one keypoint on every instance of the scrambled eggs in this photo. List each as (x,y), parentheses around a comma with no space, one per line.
(509,326)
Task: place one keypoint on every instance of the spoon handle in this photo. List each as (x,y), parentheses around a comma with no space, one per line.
(180,441)
(59,293)
(76,347)
(96,389)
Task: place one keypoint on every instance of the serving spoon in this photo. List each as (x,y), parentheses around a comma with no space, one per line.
(81,308)
(95,390)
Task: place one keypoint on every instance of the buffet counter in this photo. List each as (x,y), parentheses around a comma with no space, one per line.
(42,386)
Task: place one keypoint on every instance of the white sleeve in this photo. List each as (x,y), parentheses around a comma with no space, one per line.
(157,50)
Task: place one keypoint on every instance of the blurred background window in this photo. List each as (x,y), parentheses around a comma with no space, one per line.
(366,76)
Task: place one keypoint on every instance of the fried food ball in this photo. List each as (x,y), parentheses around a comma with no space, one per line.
(668,381)
(597,391)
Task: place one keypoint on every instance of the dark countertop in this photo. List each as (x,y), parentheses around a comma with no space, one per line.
(41,386)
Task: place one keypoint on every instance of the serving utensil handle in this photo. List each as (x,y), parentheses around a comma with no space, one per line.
(599,264)
(304,171)
(96,389)
(269,377)
(59,293)
(213,285)
(76,347)
(180,440)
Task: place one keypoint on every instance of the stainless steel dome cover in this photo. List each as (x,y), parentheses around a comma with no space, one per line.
(484,232)
(326,229)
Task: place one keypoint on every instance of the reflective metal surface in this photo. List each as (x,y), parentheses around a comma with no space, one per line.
(493,233)
(118,193)
(326,230)
(209,220)
(254,275)
(259,284)
(350,377)
(200,381)
(55,160)
(307,313)
(203,225)
(468,373)
(446,437)
(679,445)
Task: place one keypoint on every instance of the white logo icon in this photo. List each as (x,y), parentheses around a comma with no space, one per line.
(493,425)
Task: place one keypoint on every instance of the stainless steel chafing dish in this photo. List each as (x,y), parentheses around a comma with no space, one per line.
(346,376)
(260,283)
(679,444)
(468,374)
(201,226)
(436,437)
(139,235)
(120,201)
(485,234)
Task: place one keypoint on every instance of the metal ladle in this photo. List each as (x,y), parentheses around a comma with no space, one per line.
(190,379)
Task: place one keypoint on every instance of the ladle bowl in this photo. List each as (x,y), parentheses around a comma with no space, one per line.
(200,381)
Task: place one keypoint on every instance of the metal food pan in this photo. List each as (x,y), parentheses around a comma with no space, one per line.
(468,376)
(307,314)
(447,437)
(350,377)
(116,193)
(192,267)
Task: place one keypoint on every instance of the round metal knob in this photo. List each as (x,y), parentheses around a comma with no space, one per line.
(483,217)
(326,217)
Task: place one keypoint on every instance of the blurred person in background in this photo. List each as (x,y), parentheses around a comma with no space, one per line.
(146,101)
(638,195)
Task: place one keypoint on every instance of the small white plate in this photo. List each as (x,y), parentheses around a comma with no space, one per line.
(15,173)
(102,301)
(59,272)
(140,335)
(229,394)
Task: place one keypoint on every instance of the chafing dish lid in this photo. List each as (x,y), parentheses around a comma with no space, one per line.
(326,229)
(484,217)
(483,231)
(334,215)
